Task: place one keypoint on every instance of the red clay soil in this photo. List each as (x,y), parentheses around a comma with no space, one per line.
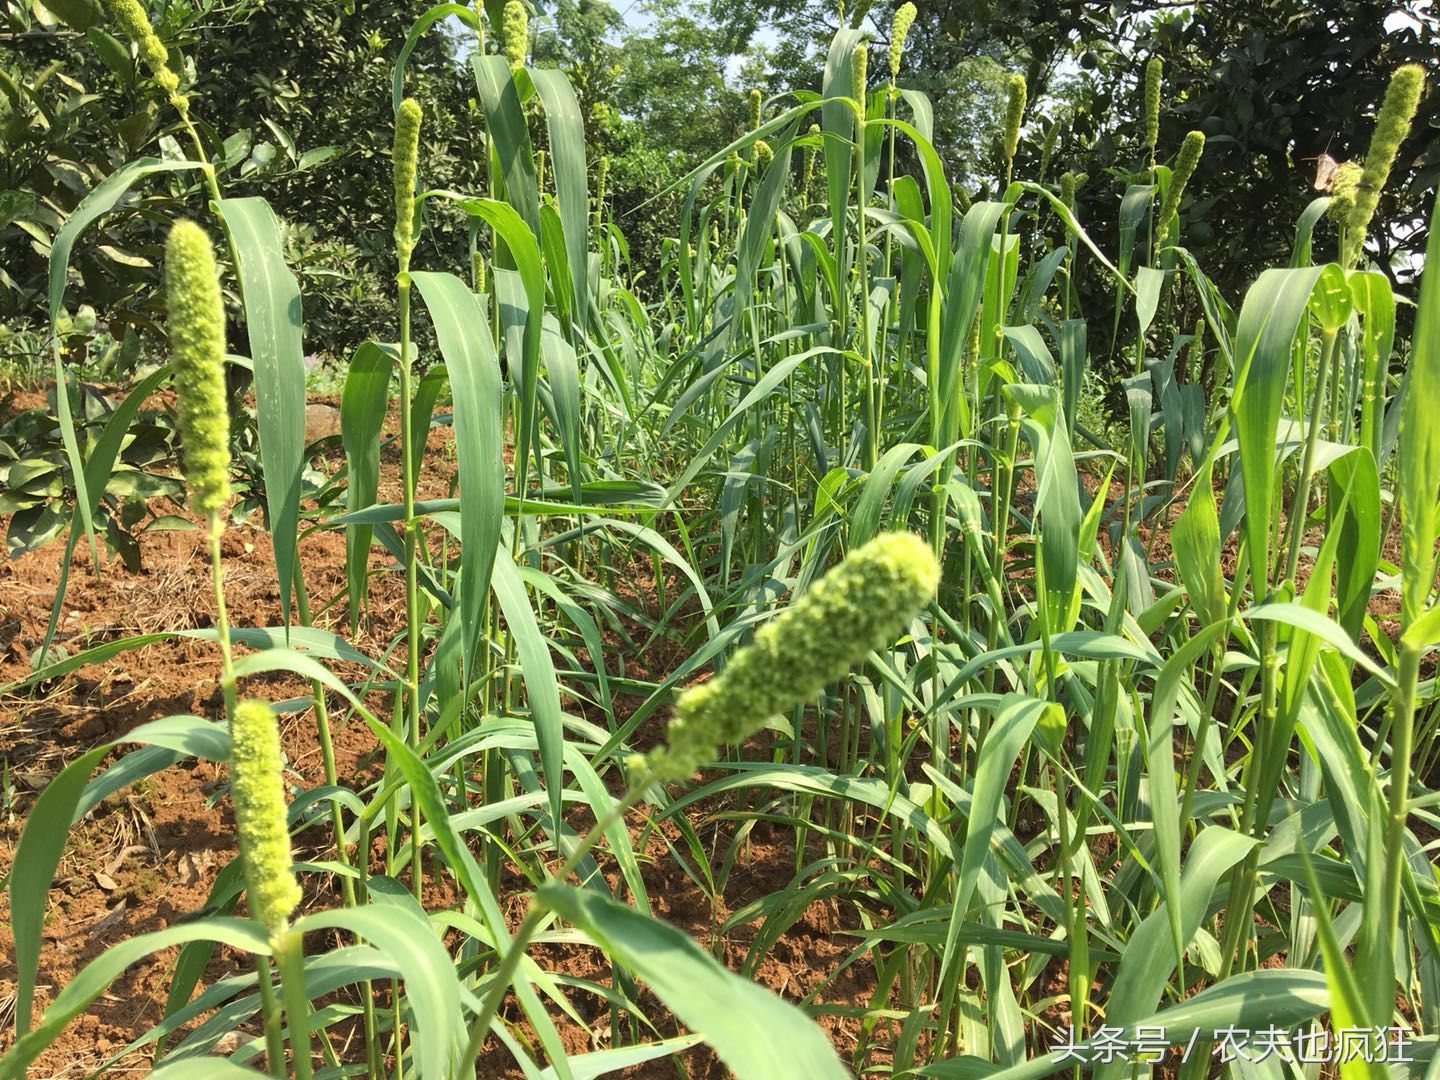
(148,856)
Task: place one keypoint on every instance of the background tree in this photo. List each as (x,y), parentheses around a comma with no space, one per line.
(1271,83)
(293,102)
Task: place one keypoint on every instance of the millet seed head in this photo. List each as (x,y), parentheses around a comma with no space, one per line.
(1392,125)
(899,30)
(1343,186)
(131,18)
(1047,148)
(1185,162)
(860,73)
(257,789)
(404,157)
(860,605)
(196,319)
(1154,71)
(1067,188)
(1014,113)
(515,33)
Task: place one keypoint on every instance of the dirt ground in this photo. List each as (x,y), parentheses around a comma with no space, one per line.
(148,856)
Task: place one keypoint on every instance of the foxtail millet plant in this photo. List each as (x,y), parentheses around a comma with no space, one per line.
(860,605)
(131,18)
(257,790)
(404,155)
(1392,125)
(1047,149)
(1067,189)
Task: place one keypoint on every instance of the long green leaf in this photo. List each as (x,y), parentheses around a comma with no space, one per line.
(362,419)
(274,323)
(756,1034)
(464,335)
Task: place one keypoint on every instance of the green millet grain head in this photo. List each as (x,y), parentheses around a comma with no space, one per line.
(515,33)
(477,270)
(1154,70)
(859,72)
(1392,125)
(899,29)
(756,99)
(404,157)
(602,174)
(860,605)
(1067,189)
(763,153)
(1343,186)
(197,347)
(1014,113)
(961,196)
(131,18)
(1047,149)
(257,788)
(1185,162)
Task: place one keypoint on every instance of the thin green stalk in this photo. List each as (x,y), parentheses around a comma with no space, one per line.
(412,566)
(222,619)
(1402,745)
(1299,510)
(270,1014)
(269,1005)
(870,386)
(1202,732)
(1239,926)
(515,951)
(290,959)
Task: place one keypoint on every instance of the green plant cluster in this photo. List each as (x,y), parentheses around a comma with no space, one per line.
(823,538)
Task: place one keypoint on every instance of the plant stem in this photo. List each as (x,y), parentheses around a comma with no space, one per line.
(1299,509)
(290,959)
(270,1012)
(515,951)
(412,578)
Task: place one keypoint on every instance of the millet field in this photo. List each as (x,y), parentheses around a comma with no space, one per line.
(884,627)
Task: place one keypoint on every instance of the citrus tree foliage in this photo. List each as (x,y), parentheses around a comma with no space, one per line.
(297,95)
